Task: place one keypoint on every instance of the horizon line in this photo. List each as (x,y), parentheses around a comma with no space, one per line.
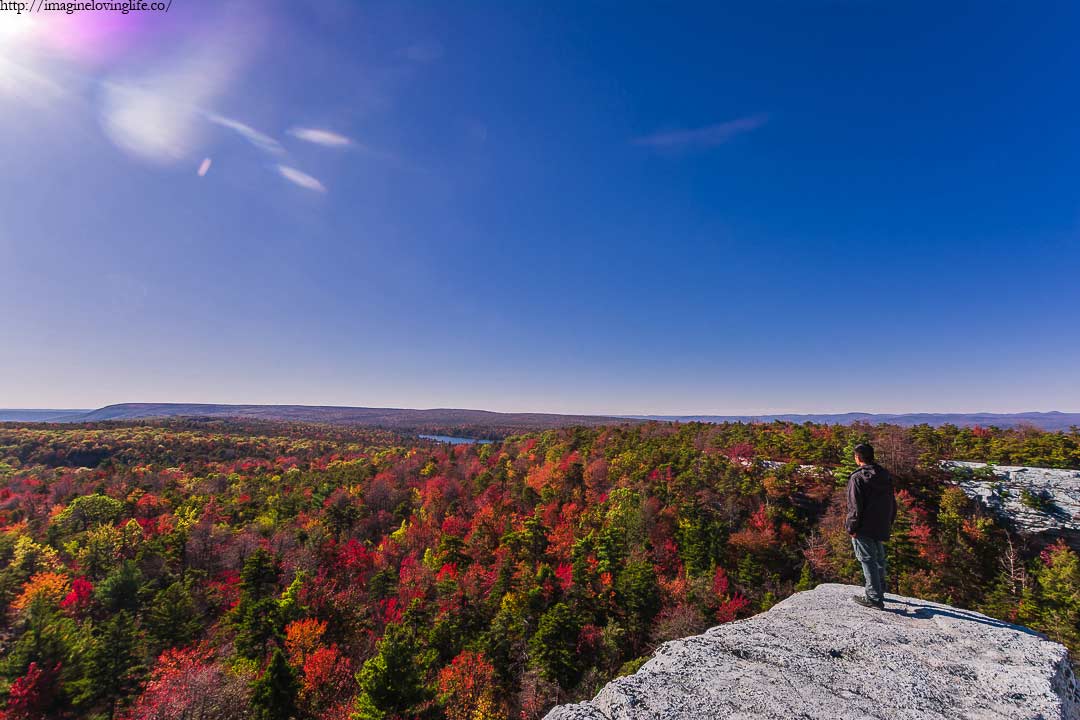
(628,415)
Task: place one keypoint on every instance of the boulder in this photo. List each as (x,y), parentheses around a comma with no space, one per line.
(819,655)
(1034,501)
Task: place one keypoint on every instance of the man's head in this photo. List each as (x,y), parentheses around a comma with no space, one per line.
(864,453)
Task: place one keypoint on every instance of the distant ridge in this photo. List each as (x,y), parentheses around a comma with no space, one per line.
(1043,420)
(470,423)
(484,423)
(40,415)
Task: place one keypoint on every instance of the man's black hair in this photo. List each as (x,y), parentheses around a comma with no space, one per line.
(865,452)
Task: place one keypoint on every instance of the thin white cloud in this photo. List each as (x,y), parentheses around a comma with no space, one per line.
(301,178)
(148,125)
(326,138)
(259,139)
(158,113)
(707,136)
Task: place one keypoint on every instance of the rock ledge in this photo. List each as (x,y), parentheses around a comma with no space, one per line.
(1035,501)
(819,655)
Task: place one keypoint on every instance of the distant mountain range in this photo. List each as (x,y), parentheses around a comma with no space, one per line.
(1041,420)
(41,415)
(469,423)
(483,423)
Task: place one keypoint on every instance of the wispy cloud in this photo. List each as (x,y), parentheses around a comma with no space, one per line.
(258,139)
(331,139)
(707,136)
(301,178)
(326,138)
(158,111)
(155,127)
(162,111)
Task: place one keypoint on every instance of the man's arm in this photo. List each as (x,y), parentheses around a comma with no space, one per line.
(854,504)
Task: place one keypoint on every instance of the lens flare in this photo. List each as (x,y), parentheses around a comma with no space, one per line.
(93,38)
(15,30)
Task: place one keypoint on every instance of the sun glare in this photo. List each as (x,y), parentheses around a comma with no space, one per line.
(18,77)
(14,29)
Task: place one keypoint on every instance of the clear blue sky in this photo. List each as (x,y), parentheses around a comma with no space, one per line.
(587,207)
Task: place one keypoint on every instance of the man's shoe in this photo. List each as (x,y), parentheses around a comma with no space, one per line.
(866,602)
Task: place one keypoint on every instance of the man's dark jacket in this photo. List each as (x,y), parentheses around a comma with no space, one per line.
(871,503)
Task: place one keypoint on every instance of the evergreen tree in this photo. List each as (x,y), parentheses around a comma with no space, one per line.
(113,663)
(637,592)
(53,643)
(273,695)
(806,579)
(1006,596)
(259,577)
(120,589)
(503,641)
(257,614)
(554,646)
(749,574)
(847,459)
(391,682)
(696,540)
(1057,578)
(902,556)
(172,618)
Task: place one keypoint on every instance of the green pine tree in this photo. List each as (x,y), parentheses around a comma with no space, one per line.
(113,664)
(1057,578)
(51,640)
(637,593)
(847,460)
(554,646)
(257,615)
(273,696)
(120,589)
(172,619)
(806,579)
(902,556)
(391,682)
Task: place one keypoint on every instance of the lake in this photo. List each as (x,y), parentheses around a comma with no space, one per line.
(455,440)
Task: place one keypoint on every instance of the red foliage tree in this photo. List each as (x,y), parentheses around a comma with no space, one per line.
(188,684)
(328,677)
(78,599)
(729,605)
(32,694)
(467,687)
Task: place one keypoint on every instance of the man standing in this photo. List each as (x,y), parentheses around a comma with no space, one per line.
(871,513)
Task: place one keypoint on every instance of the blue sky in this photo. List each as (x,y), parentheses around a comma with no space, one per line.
(579,207)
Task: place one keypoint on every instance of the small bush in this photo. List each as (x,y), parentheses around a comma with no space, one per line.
(1041,501)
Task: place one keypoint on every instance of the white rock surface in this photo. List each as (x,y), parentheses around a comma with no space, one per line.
(819,655)
(1004,495)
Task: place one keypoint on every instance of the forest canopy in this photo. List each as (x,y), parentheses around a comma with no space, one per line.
(226,569)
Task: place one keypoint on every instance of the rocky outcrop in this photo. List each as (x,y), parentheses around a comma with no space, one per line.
(819,655)
(1035,501)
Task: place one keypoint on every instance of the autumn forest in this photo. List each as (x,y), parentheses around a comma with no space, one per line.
(196,569)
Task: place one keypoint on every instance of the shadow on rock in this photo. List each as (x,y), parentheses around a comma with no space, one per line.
(926,612)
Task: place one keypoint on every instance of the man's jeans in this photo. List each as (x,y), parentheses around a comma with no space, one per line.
(871,554)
